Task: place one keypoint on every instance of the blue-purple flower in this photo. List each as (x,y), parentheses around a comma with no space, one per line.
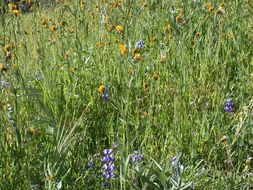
(103,90)
(108,167)
(89,165)
(136,157)
(229,106)
(140,45)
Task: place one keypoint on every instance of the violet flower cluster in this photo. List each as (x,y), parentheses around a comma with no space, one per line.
(108,167)
(136,157)
(140,45)
(229,106)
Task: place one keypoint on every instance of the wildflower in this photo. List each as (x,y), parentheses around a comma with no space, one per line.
(31,131)
(7,48)
(137,57)
(229,106)
(123,49)
(136,157)
(101,89)
(5,84)
(208,6)
(134,51)
(114,145)
(109,166)
(44,22)
(63,23)
(99,44)
(16,12)
(155,75)
(89,165)
(140,45)
(105,97)
(168,27)
(120,29)
(3,68)
(179,19)
(53,28)
(173,161)
(145,86)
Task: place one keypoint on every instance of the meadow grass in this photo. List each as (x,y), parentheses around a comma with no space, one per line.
(74,83)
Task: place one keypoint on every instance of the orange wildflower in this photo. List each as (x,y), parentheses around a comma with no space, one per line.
(123,49)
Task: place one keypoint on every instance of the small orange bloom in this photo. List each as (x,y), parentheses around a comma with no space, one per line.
(99,44)
(123,49)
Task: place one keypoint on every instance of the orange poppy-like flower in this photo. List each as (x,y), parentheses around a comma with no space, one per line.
(123,49)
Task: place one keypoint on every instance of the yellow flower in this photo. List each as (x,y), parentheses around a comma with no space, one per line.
(16,12)
(53,28)
(120,29)
(134,50)
(168,27)
(44,22)
(155,75)
(123,49)
(179,19)
(3,67)
(137,57)
(209,7)
(31,131)
(72,70)
(7,48)
(101,89)
(145,86)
